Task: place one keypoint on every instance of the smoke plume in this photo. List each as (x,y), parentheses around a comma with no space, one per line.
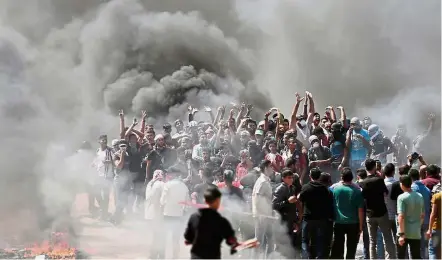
(67,67)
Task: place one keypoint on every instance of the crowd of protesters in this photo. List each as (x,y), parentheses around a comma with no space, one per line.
(325,180)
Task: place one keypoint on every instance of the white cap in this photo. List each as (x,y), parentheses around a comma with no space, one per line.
(313,138)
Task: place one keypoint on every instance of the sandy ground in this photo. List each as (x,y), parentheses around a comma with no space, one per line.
(101,239)
(130,240)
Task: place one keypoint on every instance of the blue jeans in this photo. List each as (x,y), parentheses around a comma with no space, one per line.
(354,166)
(379,245)
(434,248)
(424,242)
(315,240)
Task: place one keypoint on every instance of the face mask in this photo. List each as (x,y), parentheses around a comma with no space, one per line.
(315,145)
(373,137)
(302,123)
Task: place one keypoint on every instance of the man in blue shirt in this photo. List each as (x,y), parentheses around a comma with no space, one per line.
(420,188)
(410,209)
(349,216)
(358,141)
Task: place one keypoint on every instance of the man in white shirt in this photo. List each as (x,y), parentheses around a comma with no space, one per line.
(175,191)
(389,170)
(102,181)
(262,207)
(153,213)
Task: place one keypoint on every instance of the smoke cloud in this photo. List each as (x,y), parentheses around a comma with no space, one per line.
(67,67)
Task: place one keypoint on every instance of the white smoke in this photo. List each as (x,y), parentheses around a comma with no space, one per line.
(66,67)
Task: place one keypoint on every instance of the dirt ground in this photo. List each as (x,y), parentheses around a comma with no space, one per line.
(129,241)
(101,239)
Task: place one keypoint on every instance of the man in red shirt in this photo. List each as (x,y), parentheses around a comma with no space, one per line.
(244,166)
(433,176)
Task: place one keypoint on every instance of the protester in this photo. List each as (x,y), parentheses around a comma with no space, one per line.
(285,202)
(207,229)
(374,190)
(411,212)
(262,208)
(389,180)
(317,210)
(420,188)
(434,227)
(102,183)
(349,217)
(174,193)
(222,152)
(433,176)
(153,213)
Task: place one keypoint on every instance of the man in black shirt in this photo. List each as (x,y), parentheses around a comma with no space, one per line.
(207,229)
(317,210)
(168,155)
(285,203)
(207,179)
(396,187)
(373,191)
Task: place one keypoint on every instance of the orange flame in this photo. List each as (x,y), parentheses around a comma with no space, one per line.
(58,248)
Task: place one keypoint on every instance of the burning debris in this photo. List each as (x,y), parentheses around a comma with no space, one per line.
(57,247)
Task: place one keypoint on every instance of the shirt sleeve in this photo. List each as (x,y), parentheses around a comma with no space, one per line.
(415,188)
(359,199)
(400,205)
(366,136)
(229,233)
(436,198)
(189,233)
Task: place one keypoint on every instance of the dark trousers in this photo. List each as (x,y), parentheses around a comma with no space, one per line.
(287,244)
(140,195)
(340,232)
(315,239)
(415,248)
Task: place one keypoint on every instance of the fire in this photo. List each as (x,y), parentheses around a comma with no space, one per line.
(57,248)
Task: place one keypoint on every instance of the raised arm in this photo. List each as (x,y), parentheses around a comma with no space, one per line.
(305,111)
(209,110)
(343,117)
(129,130)
(266,120)
(122,132)
(332,113)
(249,109)
(241,114)
(311,109)
(293,120)
(143,121)
(219,114)
(192,111)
